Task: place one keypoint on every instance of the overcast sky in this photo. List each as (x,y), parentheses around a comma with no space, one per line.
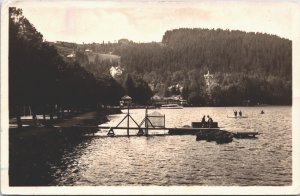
(147,21)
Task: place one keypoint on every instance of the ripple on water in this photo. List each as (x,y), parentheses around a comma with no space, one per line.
(181,160)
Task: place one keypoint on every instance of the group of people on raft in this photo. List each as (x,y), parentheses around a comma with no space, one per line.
(235,113)
(208,123)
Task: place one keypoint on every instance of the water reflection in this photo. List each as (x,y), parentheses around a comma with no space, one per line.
(181,160)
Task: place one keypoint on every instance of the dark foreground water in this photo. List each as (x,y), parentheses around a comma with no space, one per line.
(177,160)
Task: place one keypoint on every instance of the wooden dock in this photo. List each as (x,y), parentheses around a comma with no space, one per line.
(190,131)
(111,131)
(148,127)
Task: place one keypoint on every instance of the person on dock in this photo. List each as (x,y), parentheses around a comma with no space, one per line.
(240,113)
(203,122)
(209,121)
(235,113)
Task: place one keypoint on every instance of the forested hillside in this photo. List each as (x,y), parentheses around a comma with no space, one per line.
(230,51)
(246,66)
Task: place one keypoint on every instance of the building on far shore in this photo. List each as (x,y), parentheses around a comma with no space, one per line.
(175,99)
(246,102)
(125,101)
(208,78)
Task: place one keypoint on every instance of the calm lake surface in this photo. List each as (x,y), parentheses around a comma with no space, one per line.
(181,160)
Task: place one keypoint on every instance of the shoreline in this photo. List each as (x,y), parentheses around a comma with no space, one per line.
(92,118)
(33,150)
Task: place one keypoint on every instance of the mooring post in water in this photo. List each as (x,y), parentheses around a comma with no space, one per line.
(128,121)
(146,121)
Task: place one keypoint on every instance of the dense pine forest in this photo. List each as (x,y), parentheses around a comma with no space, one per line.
(51,77)
(246,66)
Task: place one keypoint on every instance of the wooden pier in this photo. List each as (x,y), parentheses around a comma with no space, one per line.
(220,136)
(190,130)
(171,131)
(154,122)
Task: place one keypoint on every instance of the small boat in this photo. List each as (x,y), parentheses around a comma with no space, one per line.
(224,139)
(172,106)
(220,136)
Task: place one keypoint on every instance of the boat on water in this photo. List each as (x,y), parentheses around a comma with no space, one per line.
(172,106)
(212,132)
(204,131)
(221,136)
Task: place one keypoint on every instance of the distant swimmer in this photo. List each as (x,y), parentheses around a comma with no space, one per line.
(262,112)
(235,113)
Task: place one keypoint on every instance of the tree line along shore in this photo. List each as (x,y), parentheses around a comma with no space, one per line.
(246,66)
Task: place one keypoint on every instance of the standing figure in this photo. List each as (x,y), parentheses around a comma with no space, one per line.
(235,113)
(210,121)
(203,122)
(240,113)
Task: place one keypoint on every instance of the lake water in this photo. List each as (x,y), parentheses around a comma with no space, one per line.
(181,160)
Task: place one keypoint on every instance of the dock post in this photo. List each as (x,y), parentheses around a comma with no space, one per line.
(128,120)
(146,121)
(111,133)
